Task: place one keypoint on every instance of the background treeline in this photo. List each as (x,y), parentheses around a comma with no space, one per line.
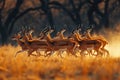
(58,14)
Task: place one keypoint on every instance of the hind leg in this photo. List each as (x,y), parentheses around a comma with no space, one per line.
(82,53)
(73,53)
(105,51)
(39,53)
(95,52)
(60,53)
(30,53)
(48,53)
(70,51)
(99,53)
(89,52)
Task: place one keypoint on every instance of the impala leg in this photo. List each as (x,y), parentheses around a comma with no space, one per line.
(89,52)
(73,50)
(74,47)
(49,54)
(82,53)
(60,53)
(93,53)
(33,55)
(76,50)
(38,53)
(19,52)
(68,53)
(46,53)
(61,56)
(73,53)
(30,52)
(106,51)
(99,52)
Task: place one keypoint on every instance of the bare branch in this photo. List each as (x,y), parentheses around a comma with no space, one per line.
(14,12)
(55,4)
(20,15)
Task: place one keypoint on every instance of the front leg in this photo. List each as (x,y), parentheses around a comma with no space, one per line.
(60,53)
(49,54)
(19,52)
(38,53)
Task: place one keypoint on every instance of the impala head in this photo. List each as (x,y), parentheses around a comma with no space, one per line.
(41,35)
(26,30)
(16,36)
(50,31)
(89,30)
(74,32)
(79,30)
(31,31)
(63,30)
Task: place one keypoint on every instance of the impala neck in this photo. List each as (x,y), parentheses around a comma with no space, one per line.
(20,42)
(49,37)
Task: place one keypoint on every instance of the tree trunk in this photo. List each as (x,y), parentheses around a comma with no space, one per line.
(106,15)
(47,10)
(4,36)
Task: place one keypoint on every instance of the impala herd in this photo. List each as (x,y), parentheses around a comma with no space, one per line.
(74,44)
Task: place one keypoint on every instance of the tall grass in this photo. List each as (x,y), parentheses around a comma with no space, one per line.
(55,68)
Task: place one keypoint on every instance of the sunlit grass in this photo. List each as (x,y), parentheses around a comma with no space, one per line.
(55,68)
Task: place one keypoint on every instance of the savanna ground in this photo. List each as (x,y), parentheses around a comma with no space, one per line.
(56,68)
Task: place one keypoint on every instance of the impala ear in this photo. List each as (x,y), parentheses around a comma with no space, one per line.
(73,31)
(63,30)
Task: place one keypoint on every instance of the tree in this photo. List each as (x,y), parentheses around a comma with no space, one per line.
(73,12)
(6,25)
(102,16)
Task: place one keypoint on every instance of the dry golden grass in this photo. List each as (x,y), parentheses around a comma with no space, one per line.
(55,68)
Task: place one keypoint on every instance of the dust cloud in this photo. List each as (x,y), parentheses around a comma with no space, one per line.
(113,37)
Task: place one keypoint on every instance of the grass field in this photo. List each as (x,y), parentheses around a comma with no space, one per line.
(55,68)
